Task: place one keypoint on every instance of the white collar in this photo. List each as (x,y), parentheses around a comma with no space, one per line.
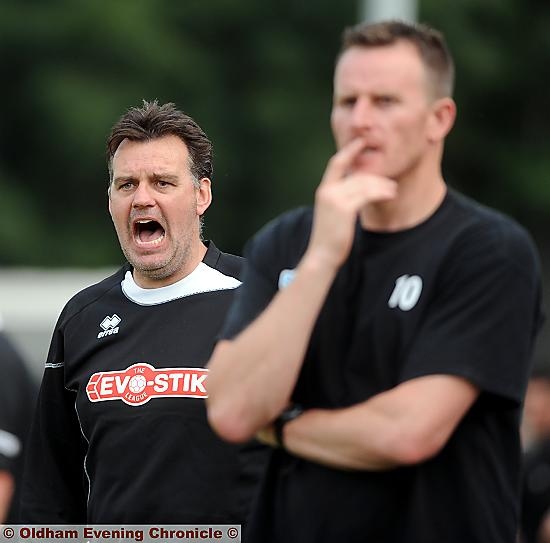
(202,279)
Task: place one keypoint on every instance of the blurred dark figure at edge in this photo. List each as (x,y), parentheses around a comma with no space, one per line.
(17,397)
(536,475)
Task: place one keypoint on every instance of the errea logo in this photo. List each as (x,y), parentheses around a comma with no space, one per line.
(109,325)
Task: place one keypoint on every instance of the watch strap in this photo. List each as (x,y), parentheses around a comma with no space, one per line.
(290,413)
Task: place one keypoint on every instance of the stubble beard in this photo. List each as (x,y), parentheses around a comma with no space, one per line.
(164,268)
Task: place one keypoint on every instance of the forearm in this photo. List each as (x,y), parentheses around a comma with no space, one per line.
(252,377)
(402,426)
(331,438)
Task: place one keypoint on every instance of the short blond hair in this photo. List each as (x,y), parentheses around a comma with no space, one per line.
(429,42)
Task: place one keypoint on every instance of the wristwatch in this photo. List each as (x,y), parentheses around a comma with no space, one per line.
(290,413)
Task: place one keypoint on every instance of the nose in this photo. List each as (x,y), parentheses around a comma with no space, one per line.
(143,196)
(362,114)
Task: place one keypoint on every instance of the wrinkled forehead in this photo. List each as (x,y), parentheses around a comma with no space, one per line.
(166,154)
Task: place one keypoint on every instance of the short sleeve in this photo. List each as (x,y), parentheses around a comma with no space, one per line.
(485,314)
(251,298)
(276,248)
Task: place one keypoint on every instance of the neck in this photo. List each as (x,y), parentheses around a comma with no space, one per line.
(417,199)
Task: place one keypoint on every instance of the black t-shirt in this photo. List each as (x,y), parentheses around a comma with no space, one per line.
(121,435)
(458,294)
(17,397)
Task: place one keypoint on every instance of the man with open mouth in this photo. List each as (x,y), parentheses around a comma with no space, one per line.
(120,434)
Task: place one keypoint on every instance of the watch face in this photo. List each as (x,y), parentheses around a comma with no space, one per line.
(292,413)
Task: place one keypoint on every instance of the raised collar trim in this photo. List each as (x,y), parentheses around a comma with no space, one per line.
(202,279)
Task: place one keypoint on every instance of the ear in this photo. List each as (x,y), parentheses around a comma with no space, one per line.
(441,119)
(204,196)
(109,201)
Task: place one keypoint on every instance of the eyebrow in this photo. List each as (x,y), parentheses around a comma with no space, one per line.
(156,177)
(165,176)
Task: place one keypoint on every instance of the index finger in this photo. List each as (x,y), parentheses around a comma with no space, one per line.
(340,162)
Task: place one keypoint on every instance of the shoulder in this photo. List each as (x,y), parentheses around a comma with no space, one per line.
(10,359)
(14,375)
(7,351)
(225,263)
(486,221)
(287,234)
(295,222)
(485,233)
(91,294)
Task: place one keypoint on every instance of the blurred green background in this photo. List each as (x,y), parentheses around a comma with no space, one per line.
(257,77)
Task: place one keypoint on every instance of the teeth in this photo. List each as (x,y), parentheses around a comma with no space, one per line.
(157,241)
(152,242)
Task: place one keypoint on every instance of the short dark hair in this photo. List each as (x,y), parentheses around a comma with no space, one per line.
(152,121)
(429,42)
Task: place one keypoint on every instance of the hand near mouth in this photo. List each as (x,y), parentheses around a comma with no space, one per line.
(338,200)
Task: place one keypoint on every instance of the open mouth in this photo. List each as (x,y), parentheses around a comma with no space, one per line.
(148,232)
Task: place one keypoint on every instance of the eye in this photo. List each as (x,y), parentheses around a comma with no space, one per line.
(385,100)
(127,185)
(347,101)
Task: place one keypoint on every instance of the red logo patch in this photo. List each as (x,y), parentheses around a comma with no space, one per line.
(140,382)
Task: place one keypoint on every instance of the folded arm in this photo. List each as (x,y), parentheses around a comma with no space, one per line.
(252,376)
(405,425)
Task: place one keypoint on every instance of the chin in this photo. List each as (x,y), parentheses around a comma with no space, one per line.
(369,168)
(146,265)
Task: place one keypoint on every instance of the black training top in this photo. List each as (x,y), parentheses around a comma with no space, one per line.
(121,435)
(458,294)
(17,397)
